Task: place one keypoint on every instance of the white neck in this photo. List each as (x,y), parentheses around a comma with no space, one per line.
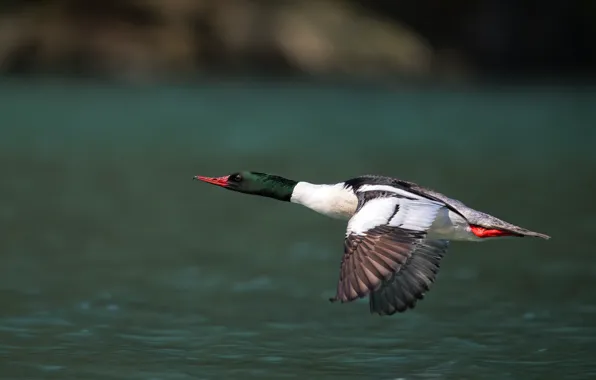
(334,201)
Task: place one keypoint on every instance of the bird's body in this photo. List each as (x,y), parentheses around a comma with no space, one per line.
(397,231)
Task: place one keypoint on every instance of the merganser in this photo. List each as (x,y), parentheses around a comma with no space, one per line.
(397,231)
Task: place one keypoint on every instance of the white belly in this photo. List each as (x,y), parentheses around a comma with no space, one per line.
(451,226)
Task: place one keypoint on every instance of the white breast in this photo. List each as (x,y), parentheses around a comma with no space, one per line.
(334,201)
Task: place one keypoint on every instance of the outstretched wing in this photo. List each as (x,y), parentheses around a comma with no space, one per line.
(386,253)
(407,286)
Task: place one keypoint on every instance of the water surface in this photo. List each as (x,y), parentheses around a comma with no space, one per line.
(115,265)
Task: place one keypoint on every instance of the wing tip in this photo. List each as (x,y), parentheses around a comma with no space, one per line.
(529,233)
(383,310)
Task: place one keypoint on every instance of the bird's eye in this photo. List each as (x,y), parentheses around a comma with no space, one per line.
(236,178)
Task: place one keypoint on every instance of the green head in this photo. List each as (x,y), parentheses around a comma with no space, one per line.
(266,185)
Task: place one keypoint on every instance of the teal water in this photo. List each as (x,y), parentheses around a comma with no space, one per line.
(115,265)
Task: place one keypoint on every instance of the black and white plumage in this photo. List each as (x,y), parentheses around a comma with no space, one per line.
(397,234)
(397,237)
(387,253)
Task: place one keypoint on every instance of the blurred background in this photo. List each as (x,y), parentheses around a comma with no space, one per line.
(178,39)
(115,265)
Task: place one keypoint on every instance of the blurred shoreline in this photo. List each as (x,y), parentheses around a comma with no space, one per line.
(178,40)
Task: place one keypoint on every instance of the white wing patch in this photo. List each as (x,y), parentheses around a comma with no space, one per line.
(416,215)
(373,213)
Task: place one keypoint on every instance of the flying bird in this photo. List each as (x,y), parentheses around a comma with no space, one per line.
(397,233)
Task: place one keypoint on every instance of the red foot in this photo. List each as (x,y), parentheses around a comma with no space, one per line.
(482,232)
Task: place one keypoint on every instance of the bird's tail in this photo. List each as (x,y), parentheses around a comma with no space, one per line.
(525,232)
(510,230)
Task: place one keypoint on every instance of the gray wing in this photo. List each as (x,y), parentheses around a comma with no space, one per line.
(386,254)
(406,287)
(472,216)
